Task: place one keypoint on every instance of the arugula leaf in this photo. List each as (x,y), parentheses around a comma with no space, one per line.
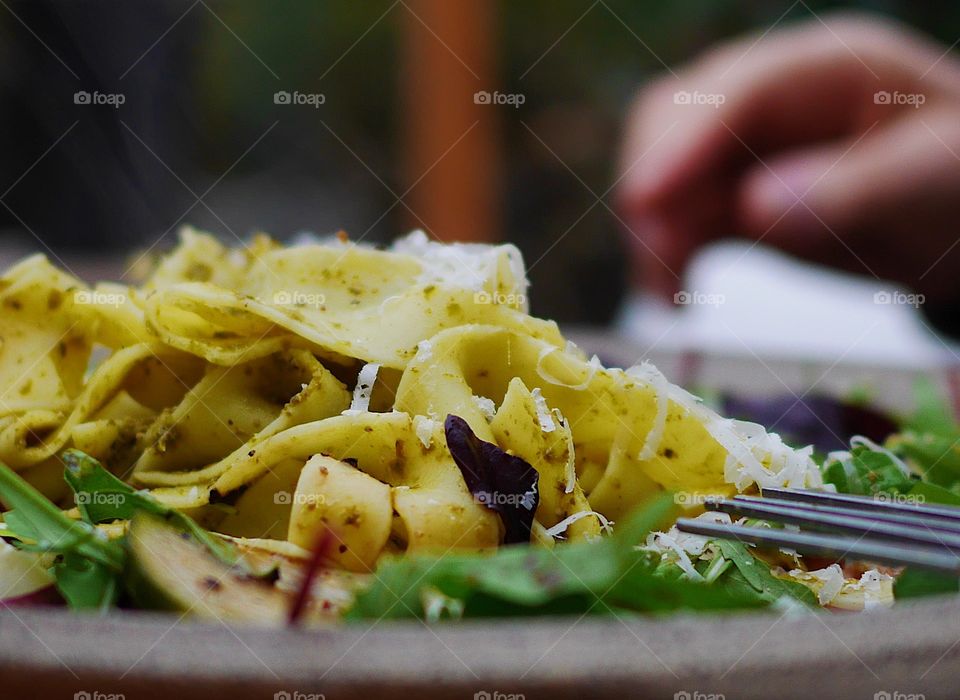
(930,438)
(639,590)
(936,456)
(88,570)
(867,472)
(931,493)
(933,413)
(89,567)
(596,577)
(757,574)
(35,518)
(915,583)
(102,497)
(86,584)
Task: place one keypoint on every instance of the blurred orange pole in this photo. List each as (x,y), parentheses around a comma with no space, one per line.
(450,146)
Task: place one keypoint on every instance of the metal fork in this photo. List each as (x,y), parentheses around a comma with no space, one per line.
(842,526)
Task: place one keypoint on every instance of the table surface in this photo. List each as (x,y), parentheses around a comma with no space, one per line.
(910,649)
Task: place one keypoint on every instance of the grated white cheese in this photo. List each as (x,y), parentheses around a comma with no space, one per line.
(665,541)
(570,470)
(557,530)
(831,581)
(754,456)
(648,374)
(548,377)
(543,412)
(475,266)
(688,543)
(571,348)
(872,591)
(487,407)
(364,389)
(872,584)
(681,545)
(424,428)
(424,351)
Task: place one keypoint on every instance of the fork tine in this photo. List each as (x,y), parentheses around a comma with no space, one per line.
(908,519)
(834,546)
(868,503)
(849,521)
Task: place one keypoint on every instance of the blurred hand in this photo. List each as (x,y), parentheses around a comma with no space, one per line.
(837,141)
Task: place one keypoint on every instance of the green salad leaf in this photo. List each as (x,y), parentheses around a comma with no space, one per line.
(86,584)
(867,472)
(41,526)
(88,569)
(929,439)
(757,574)
(590,577)
(101,497)
(933,413)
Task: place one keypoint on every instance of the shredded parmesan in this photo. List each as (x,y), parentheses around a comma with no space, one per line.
(424,351)
(424,428)
(364,389)
(550,378)
(687,542)
(543,412)
(872,583)
(830,581)
(479,267)
(665,541)
(570,471)
(574,350)
(557,530)
(754,456)
(649,374)
(487,407)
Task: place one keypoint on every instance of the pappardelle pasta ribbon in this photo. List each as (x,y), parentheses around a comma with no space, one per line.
(275,391)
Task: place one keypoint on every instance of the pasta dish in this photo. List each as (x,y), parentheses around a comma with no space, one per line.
(332,431)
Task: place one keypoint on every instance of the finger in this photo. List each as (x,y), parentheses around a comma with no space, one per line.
(663,242)
(803,198)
